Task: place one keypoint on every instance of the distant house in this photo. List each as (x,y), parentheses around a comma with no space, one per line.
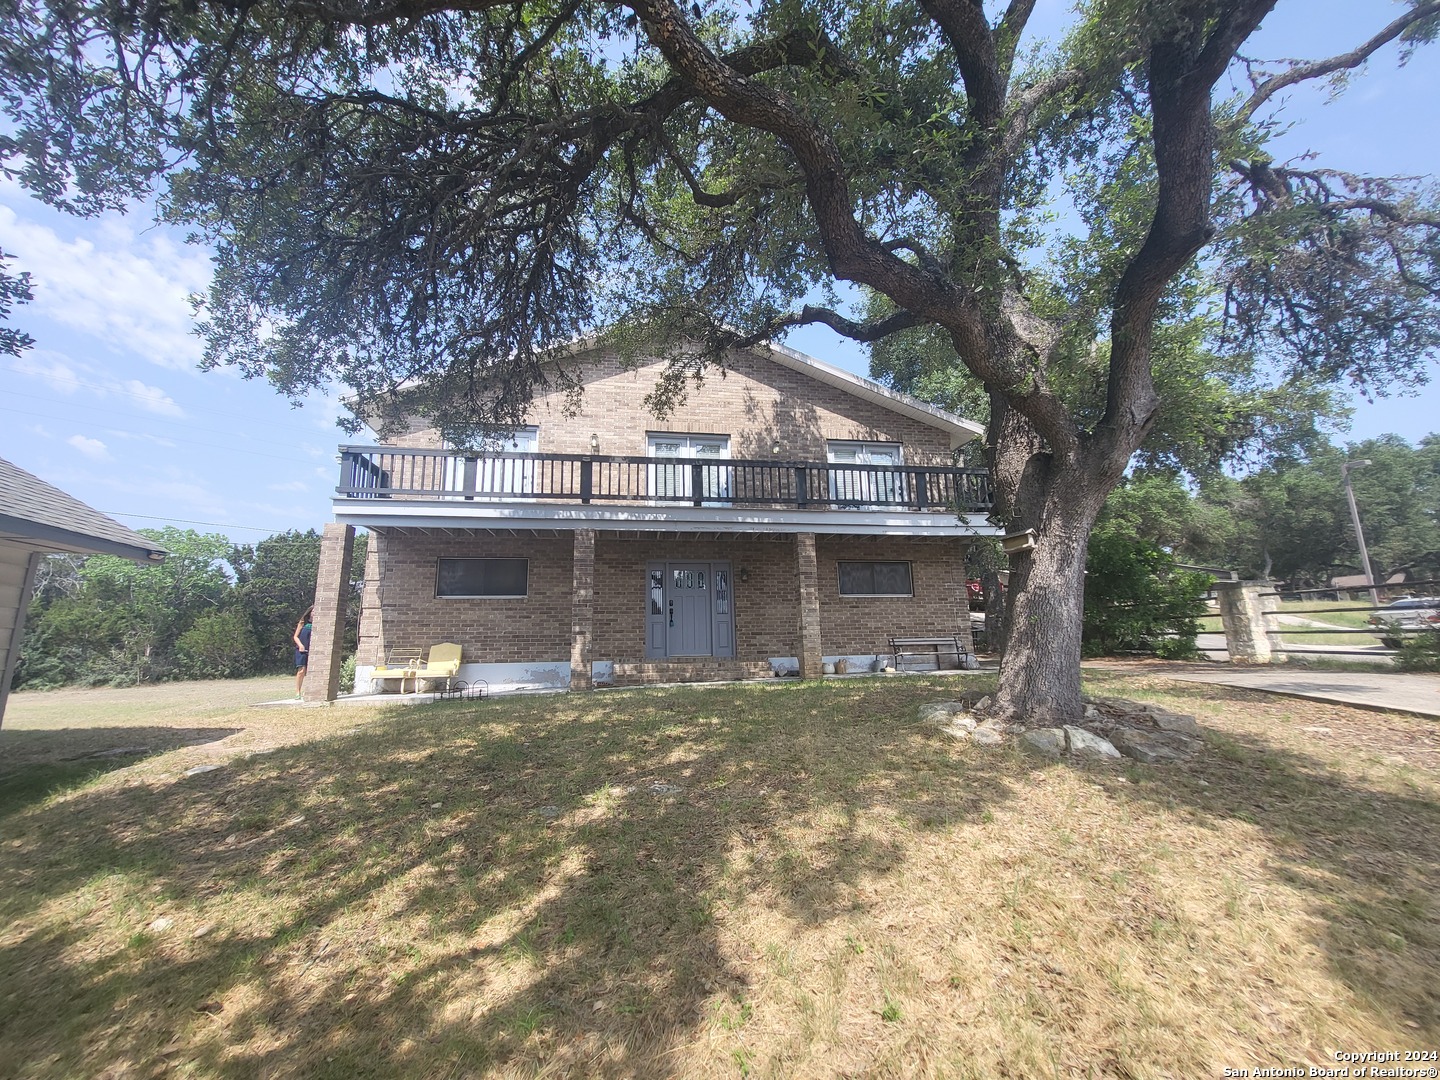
(789,514)
(35,519)
(1358,582)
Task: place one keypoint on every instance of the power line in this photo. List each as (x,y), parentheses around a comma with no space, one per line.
(187,521)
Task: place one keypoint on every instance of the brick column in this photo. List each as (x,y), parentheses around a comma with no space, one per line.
(370,645)
(327,635)
(807,574)
(582,609)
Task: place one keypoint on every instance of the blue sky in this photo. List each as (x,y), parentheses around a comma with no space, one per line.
(110,406)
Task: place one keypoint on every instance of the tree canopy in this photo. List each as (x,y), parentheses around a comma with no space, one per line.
(438,193)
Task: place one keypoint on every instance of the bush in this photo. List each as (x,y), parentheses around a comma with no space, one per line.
(1419,652)
(221,645)
(347,675)
(1137,602)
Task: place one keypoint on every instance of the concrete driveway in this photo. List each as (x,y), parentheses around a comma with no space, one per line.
(1401,692)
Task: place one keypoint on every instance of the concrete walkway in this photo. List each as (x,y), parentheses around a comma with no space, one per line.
(1418,694)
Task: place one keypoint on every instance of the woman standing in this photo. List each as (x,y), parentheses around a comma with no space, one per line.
(302,650)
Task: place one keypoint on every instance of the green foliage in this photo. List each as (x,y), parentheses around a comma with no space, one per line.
(220,645)
(1290,519)
(210,610)
(347,675)
(1137,602)
(1419,652)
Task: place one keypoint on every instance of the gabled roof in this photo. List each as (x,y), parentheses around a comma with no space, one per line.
(961,430)
(40,516)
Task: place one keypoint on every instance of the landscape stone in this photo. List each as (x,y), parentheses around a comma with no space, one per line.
(1168,721)
(1083,743)
(1046,742)
(940,712)
(959,728)
(1153,747)
(990,733)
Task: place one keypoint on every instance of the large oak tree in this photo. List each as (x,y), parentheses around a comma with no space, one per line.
(440,192)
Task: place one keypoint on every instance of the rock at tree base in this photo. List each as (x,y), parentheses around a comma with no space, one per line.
(991,733)
(941,712)
(1154,747)
(1083,743)
(1047,742)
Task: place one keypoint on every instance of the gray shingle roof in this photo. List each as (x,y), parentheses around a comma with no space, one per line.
(44,517)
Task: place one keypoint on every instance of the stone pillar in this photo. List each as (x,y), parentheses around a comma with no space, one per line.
(1250,636)
(582,610)
(327,634)
(807,574)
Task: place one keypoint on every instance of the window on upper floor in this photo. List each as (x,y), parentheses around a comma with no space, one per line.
(495,472)
(874,478)
(677,481)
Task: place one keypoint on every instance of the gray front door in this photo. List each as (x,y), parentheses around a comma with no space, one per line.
(688,615)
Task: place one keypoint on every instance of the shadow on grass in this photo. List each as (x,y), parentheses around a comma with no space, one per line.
(1369,858)
(527,885)
(468,886)
(37,764)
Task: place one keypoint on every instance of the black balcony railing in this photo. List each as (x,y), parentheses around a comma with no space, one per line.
(373,472)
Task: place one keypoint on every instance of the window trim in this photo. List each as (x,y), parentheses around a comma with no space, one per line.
(840,581)
(482,596)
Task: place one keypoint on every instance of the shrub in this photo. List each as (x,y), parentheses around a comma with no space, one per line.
(220,645)
(1419,652)
(1137,602)
(347,675)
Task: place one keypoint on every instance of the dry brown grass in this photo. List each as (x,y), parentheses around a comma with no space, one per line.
(513,888)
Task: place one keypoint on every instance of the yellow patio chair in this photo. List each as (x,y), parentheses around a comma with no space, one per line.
(396,668)
(443,663)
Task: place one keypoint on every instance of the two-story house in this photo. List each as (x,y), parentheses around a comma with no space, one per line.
(788,514)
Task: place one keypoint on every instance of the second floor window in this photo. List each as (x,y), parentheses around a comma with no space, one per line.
(869,482)
(492,470)
(677,481)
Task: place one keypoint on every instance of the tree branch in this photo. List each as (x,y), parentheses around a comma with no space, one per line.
(1344,62)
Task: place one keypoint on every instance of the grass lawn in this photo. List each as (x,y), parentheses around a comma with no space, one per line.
(763,880)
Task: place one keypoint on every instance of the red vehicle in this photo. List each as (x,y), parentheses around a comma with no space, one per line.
(976,593)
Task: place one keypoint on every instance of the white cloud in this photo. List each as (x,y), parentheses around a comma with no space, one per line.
(293,485)
(39,430)
(62,375)
(152,398)
(91,448)
(129,290)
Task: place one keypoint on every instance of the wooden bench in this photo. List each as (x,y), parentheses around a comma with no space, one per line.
(938,646)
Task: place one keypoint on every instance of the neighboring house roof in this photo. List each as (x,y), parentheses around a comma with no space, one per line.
(1360,581)
(41,517)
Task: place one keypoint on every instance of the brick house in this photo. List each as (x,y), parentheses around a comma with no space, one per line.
(788,514)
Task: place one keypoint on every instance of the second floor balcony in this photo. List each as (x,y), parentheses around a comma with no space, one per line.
(374,472)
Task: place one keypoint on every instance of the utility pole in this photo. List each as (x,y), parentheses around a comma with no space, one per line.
(1355,518)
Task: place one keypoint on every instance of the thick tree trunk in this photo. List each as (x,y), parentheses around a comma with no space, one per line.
(1045,606)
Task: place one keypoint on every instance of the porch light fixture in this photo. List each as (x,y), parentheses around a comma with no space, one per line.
(775,448)
(1017,543)
(594,443)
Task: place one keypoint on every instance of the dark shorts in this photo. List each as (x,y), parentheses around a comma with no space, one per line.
(302,659)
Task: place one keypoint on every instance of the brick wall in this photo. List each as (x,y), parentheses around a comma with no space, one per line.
(756,402)
(402,612)
(860,624)
(407,616)
(762,575)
